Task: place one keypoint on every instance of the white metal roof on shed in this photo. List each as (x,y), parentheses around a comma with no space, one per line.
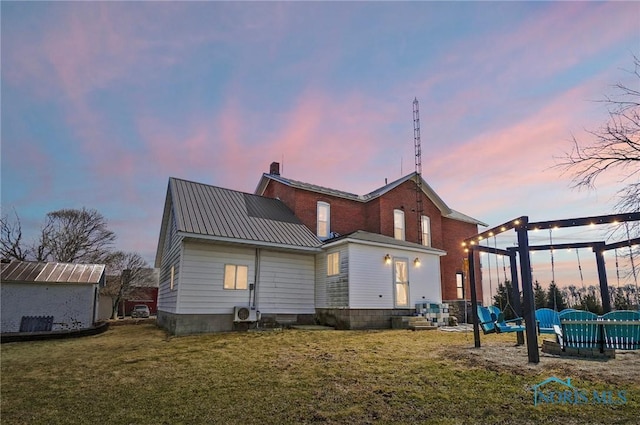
(27,271)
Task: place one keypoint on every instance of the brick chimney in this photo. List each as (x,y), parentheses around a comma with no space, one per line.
(274,168)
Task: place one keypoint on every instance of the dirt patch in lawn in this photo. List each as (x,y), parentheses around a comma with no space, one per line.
(501,356)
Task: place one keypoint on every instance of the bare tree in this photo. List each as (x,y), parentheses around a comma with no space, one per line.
(67,236)
(72,235)
(11,244)
(126,271)
(615,146)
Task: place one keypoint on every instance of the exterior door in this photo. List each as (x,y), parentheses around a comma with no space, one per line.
(401,282)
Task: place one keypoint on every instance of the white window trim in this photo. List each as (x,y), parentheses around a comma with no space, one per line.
(402,229)
(404,283)
(460,295)
(236,267)
(426,219)
(329,271)
(319,205)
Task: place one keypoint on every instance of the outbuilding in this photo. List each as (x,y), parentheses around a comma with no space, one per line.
(42,297)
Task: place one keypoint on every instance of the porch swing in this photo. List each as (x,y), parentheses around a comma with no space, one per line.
(491,318)
(633,267)
(546,318)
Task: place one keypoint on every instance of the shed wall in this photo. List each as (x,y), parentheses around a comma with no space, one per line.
(73,306)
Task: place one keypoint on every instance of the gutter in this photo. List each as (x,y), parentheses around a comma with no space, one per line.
(262,244)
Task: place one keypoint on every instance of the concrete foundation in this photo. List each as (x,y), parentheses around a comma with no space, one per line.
(188,324)
(457,310)
(341,318)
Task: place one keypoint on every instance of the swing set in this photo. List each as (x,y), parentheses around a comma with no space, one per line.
(522,226)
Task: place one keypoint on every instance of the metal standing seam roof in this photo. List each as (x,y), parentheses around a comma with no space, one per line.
(364,236)
(26,271)
(218,213)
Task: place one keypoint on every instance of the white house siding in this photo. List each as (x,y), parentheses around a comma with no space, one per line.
(371,280)
(73,306)
(332,291)
(168,297)
(202,276)
(425,283)
(286,283)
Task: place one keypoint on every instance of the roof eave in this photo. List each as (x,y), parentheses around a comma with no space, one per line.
(163,226)
(425,249)
(266,244)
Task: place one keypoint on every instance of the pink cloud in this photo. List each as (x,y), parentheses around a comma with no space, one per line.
(339,136)
(505,162)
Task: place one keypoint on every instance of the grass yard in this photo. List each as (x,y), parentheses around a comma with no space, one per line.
(135,374)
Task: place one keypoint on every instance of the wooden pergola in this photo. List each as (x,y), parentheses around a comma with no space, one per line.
(522,226)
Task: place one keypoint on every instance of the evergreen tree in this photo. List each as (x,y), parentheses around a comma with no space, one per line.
(539,295)
(502,299)
(591,303)
(620,302)
(555,298)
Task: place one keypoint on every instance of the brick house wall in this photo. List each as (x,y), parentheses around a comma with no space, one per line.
(346,216)
(453,232)
(376,216)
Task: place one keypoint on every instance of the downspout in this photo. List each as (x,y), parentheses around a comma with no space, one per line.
(253,303)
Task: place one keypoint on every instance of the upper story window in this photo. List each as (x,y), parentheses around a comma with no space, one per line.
(333,263)
(426,231)
(398,224)
(324,213)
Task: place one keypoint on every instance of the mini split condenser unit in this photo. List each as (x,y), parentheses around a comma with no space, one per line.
(244,314)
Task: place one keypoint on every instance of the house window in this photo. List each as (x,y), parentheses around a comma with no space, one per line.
(401,282)
(235,277)
(459,285)
(426,231)
(333,264)
(398,224)
(323,219)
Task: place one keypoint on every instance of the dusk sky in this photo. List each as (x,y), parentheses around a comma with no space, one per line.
(103,102)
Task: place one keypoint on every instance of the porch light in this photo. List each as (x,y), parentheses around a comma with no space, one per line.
(387,259)
(416,262)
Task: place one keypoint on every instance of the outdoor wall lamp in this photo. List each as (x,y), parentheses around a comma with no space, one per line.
(387,259)
(416,262)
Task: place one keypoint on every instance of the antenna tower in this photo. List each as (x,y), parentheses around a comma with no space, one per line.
(418,152)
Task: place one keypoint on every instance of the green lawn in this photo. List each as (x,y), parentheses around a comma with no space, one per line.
(135,374)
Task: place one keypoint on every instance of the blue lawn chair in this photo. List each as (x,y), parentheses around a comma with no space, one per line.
(494,310)
(485,320)
(546,318)
(577,332)
(491,322)
(621,336)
